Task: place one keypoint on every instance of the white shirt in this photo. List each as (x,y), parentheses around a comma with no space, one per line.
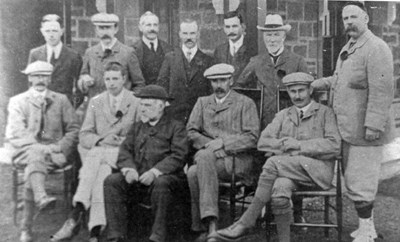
(192,51)
(113,41)
(51,49)
(118,100)
(221,100)
(235,46)
(304,109)
(147,42)
(38,95)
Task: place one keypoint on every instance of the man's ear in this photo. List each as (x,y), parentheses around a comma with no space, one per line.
(311,89)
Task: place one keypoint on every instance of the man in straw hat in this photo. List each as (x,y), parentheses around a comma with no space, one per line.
(109,49)
(220,125)
(305,160)
(361,94)
(269,67)
(43,129)
(150,161)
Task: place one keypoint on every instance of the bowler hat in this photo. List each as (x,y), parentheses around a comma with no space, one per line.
(274,22)
(38,68)
(297,78)
(153,92)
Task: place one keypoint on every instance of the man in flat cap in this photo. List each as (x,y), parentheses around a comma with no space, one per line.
(267,69)
(305,140)
(150,49)
(43,129)
(362,91)
(108,50)
(150,164)
(67,62)
(107,121)
(182,71)
(221,124)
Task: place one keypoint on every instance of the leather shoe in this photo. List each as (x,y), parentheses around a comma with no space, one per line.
(199,236)
(68,230)
(26,236)
(93,239)
(46,203)
(234,232)
(300,219)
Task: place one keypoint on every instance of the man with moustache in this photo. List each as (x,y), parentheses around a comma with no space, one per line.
(108,50)
(150,161)
(108,119)
(43,130)
(267,69)
(361,92)
(220,125)
(182,71)
(67,62)
(235,51)
(305,141)
(150,50)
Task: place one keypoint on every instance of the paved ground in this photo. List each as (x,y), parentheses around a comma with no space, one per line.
(387,216)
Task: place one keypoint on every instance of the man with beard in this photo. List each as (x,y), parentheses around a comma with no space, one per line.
(235,51)
(108,50)
(182,71)
(305,141)
(150,50)
(362,90)
(43,130)
(220,125)
(267,69)
(67,62)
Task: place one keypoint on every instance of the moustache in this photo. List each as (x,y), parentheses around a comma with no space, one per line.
(189,41)
(297,100)
(219,90)
(106,36)
(232,34)
(40,84)
(152,32)
(351,28)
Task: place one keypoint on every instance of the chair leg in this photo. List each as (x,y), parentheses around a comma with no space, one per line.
(232,204)
(339,214)
(268,221)
(15,195)
(326,215)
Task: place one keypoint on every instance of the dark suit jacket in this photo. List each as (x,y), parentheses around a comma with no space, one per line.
(163,146)
(184,81)
(239,61)
(66,71)
(261,71)
(138,47)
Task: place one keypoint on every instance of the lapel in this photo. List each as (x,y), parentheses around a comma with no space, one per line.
(98,50)
(195,64)
(108,114)
(241,51)
(293,116)
(126,101)
(311,110)
(228,102)
(359,43)
(139,51)
(181,63)
(282,59)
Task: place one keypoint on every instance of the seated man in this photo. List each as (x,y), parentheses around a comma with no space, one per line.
(151,161)
(43,129)
(223,123)
(109,117)
(305,141)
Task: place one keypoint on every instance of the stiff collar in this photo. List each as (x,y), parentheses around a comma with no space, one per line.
(192,51)
(113,41)
(236,44)
(56,50)
(148,42)
(304,109)
(221,100)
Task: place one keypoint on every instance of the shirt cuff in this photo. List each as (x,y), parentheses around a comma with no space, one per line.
(126,169)
(156,172)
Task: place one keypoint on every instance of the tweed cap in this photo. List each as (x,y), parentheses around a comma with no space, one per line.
(297,78)
(153,92)
(38,68)
(104,19)
(219,71)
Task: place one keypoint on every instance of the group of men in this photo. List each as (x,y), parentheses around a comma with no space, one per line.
(150,106)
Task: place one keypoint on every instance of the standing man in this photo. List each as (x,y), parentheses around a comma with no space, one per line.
(109,117)
(151,161)
(267,69)
(362,90)
(67,62)
(43,129)
(220,125)
(182,71)
(150,50)
(235,51)
(108,50)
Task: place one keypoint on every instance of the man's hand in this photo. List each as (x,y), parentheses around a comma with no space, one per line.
(147,178)
(372,134)
(289,143)
(111,140)
(215,144)
(45,149)
(84,82)
(220,153)
(131,176)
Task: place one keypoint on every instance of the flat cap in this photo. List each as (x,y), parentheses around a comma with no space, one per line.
(104,19)
(153,92)
(38,68)
(219,71)
(297,78)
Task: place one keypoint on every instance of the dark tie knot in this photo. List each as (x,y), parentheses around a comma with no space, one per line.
(107,53)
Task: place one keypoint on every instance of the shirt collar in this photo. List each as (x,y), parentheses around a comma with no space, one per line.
(118,97)
(304,109)
(103,47)
(37,94)
(193,50)
(236,44)
(278,52)
(221,100)
(56,49)
(147,42)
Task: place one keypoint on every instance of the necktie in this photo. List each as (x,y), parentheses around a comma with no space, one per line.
(274,58)
(152,47)
(301,114)
(188,56)
(114,105)
(42,113)
(53,58)
(233,50)
(107,53)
